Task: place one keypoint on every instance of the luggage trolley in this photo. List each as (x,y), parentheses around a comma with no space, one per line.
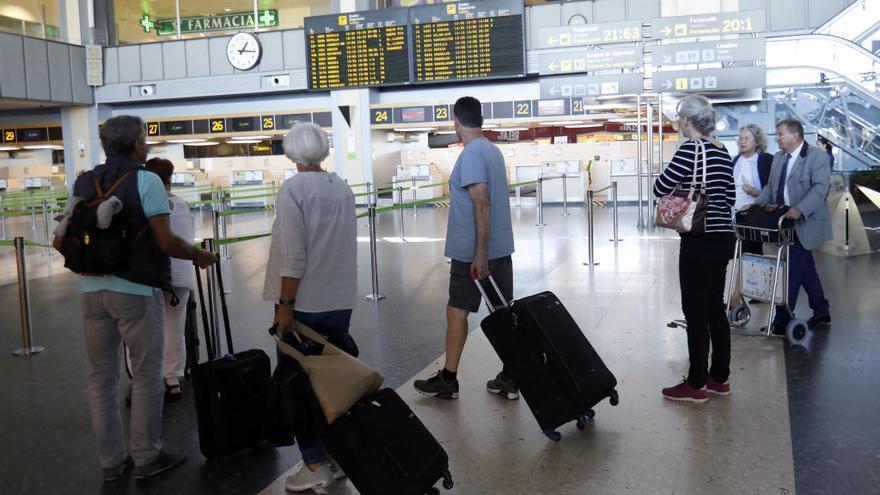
(761,278)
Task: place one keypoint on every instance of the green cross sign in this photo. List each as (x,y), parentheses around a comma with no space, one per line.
(267,18)
(147,24)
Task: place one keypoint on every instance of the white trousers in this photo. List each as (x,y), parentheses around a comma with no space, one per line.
(175,339)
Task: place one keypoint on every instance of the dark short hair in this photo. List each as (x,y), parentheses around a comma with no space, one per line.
(163,168)
(825,142)
(120,134)
(793,126)
(469,112)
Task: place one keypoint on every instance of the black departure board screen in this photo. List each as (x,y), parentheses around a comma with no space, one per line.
(467,40)
(358,49)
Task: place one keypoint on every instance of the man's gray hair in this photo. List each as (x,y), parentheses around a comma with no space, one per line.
(307,144)
(699,112)
(120,134)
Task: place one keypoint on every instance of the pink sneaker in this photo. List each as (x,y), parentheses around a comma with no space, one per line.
(716,387)
(684,392)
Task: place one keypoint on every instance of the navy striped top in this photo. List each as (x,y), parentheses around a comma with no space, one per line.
(719,181)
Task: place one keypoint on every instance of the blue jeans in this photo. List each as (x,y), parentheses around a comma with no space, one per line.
(334,326)
(802,272)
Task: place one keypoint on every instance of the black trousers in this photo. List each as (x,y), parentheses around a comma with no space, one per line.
(702,270)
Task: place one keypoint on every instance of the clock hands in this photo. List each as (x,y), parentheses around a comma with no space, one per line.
(245,50)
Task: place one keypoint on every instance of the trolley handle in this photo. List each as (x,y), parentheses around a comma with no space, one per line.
(492,308)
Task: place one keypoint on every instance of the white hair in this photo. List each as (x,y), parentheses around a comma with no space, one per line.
(699,112)
(307,144)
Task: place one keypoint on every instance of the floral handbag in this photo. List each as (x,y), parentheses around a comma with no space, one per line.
(685,211)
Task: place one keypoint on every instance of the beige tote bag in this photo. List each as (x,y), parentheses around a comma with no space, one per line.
(338,378)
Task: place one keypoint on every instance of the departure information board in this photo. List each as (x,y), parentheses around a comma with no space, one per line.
(358,49)
(467,40)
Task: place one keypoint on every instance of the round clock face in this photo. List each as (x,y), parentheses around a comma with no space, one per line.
(243,51)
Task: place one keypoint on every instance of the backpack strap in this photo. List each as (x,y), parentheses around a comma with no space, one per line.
(102,195)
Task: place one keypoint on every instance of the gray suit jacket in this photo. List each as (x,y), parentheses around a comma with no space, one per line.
(808,184)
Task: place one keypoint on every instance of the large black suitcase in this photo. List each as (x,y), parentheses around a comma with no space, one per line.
(560,375)
(230,392)
(384,448)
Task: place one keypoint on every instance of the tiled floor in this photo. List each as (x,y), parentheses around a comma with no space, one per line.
(799,418)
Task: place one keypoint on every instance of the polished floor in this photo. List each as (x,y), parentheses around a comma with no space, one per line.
(801,419)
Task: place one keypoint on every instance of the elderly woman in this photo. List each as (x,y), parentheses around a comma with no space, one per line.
(182,224)
(751,172)
(702,261)
(312,270)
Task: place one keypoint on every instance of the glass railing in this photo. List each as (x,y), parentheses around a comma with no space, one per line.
(790,58)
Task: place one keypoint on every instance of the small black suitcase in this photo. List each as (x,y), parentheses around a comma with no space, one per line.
(231,392)
(559,374)
(385,449)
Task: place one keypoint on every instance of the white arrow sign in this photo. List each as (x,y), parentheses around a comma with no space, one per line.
(552,41)
(667,84)
(554,91)
(666,30)
(667,59)
(553,67)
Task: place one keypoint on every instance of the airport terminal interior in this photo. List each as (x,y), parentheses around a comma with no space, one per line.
(581,98)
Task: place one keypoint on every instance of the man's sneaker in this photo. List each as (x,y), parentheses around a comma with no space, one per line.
(816,321)
(337,471)
(684,392)
(775,329)
(504,386)
(305,479)
(116,472)
(166,460)
(437,386)
(718,388)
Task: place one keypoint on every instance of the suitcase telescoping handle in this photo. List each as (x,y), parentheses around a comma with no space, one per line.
(501,298)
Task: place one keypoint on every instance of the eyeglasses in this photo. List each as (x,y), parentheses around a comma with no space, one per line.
(780,136)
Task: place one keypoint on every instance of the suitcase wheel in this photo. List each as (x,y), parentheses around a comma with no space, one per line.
(447,481)
(584,418)
(433,491)
(615,399)
(553,435)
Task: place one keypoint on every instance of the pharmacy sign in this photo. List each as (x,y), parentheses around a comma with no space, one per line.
(204,24)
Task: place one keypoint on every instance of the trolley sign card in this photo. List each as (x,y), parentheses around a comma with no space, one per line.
(757,278)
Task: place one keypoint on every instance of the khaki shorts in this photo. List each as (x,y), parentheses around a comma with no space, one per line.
(463,293)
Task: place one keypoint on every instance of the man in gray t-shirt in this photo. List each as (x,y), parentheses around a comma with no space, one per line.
(479,239)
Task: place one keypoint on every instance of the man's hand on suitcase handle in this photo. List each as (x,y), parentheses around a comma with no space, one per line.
(283,319)
(205,258)
(480,268)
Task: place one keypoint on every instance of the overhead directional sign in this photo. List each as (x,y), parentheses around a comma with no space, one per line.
(590,34)
(692,26)
(708,80)
(580,86)
(588,59)
(709,51)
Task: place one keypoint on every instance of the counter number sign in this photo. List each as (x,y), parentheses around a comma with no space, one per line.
(218,125)
(381,116)
(9,136)
(267,123)
(152,129)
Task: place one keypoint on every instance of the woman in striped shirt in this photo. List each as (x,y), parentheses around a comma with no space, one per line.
(702,262)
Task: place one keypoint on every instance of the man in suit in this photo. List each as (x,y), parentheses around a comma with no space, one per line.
(800,178)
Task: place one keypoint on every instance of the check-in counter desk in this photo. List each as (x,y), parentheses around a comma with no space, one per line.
(854,203)
(552,185)
(247,183)
(420,176)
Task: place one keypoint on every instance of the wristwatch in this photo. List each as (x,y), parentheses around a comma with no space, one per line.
(287,302)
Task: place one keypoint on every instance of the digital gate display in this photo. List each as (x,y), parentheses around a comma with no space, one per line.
(467,40)
(358,49)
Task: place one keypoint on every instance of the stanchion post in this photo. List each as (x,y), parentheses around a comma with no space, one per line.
(374,269)
(540,199)
(616,237)
(564,195)
(24,303)
(212,296)
(650,174)
(33,215)
(639,169)
(415,213)
(400,212)
(3,216)
(46,219)
(591,261)
(224,207)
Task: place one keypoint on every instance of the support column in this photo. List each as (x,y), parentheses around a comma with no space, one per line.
(352,146)
(82,145)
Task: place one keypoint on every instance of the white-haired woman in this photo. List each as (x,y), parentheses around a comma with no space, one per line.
(702,262)
(751,172)
(312,270)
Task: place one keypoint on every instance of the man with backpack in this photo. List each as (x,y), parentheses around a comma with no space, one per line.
(118,239)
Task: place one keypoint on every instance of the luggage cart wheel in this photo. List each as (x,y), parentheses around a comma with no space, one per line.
(447,481)
(433,491)
(739,315)
(553,435)
(589,414)
(797,331)
(615,399)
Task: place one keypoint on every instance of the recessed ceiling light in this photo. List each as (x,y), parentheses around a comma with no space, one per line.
(204,143)
(244,141)
(8,148)
(249,138)
(446,131)
(185,141)
(413,129)
(43,147)
(562,122)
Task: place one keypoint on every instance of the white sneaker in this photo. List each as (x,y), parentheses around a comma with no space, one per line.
(337,471)
(305,479)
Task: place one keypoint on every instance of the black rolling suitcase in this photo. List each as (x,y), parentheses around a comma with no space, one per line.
(558,372)
(385,449)
(231,391)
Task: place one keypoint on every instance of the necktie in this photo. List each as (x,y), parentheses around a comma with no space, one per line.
(783,176)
